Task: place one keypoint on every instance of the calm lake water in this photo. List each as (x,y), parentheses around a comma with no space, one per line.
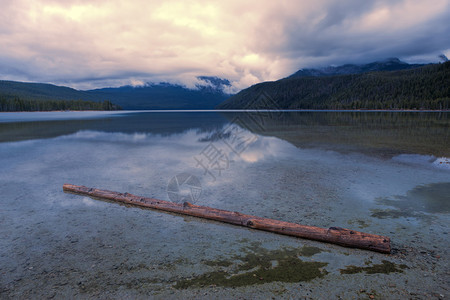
(385,173)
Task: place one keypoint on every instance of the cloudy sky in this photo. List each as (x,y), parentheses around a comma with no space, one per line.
(96,43)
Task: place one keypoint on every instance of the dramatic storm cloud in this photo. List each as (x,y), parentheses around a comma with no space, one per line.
(88,44)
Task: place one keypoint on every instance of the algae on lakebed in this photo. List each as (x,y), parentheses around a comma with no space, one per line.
(361,223)
(385,267)
(259,266)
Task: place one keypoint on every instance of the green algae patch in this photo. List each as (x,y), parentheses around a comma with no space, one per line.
(385,267)
(218,263)
(309,251)
(259,266)
(394,214)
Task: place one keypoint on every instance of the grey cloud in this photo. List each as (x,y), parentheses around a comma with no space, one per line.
(88,44)
(332,40)
(339,11)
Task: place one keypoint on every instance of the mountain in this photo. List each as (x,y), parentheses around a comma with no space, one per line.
(167,96)
(40,91)
(425,87)
(21,96)
(389,64)
(208,93)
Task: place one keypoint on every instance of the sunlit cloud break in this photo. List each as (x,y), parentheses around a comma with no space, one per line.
(88,44)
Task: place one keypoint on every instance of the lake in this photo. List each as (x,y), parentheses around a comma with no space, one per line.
(384,173)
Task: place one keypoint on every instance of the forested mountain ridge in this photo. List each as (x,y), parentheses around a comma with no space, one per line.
(426,87)
(17,96)
(40,91)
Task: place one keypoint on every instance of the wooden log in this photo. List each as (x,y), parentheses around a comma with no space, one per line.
(335,235)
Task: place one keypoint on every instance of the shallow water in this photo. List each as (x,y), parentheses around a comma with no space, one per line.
(382,173)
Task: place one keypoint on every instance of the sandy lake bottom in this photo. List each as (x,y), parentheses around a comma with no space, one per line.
(60,245)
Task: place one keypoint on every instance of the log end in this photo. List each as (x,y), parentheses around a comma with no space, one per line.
(357,239)
(67,187)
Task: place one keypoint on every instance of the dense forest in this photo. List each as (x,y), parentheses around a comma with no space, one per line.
(19,104)
(427,87)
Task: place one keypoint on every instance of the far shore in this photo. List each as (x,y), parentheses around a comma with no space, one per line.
(238,110)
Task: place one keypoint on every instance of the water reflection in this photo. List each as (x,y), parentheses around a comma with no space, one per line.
(385,134)
(155,122)
(376,133)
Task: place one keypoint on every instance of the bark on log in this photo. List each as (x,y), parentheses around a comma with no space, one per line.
(335,235)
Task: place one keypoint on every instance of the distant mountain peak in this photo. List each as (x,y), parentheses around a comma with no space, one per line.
(443,57)
(388,64)
(212,83)
(392,60)
(214,80)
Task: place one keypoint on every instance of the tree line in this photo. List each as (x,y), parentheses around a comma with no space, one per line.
(20,104)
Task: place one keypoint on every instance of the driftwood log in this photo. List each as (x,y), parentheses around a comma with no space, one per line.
(335,235)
